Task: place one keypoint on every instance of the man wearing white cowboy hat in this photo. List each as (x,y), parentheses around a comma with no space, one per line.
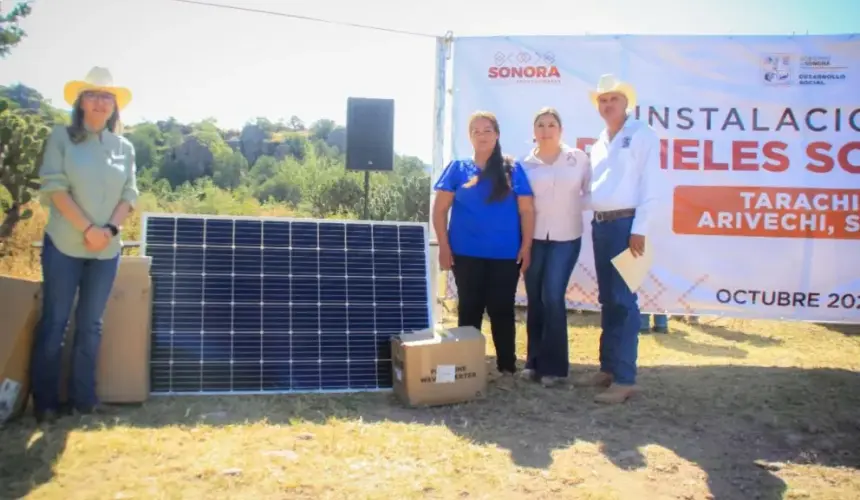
(88,183)
(625,162)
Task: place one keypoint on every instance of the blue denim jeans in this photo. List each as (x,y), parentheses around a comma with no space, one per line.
(546,279)
(660,321)
(64,276)
(619,308)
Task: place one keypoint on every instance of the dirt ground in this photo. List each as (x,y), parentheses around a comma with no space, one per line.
(728,410)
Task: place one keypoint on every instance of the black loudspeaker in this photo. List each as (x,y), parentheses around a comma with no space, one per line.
(369,134)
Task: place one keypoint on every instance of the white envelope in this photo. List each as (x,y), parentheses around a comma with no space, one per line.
(634,270)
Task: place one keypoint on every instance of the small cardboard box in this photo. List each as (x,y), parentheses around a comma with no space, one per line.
(437,366)
(20,308)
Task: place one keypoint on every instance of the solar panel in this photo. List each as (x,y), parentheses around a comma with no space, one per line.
(278,305)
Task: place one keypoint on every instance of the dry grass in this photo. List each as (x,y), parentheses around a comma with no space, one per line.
(728,410)
(17,256)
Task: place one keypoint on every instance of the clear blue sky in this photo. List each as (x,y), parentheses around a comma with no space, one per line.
(194,62)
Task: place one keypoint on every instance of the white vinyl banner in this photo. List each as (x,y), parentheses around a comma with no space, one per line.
(760,159)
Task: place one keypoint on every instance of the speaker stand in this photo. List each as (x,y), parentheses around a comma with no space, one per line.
(366,195)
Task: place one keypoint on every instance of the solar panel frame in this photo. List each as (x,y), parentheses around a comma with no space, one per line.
(147,217)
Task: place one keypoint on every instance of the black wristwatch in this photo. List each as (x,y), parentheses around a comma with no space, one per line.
(113,229)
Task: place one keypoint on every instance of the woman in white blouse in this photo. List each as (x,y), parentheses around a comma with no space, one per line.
(560,178)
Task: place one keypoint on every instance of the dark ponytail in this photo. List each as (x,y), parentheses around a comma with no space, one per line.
(498,170)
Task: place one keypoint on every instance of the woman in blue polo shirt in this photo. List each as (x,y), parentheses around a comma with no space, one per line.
(487,242)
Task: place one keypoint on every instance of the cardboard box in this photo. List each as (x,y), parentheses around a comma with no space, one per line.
(122,374)
(123,369)
(20,308)
(438,366)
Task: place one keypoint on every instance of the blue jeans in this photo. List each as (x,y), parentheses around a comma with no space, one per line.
(64,276)
(619,309)
(660,321)
(547,277)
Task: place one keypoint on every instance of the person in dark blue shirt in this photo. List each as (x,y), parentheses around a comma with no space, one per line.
(487,243)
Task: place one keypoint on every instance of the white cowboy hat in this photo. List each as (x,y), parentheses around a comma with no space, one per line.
(610,83)
(98,79)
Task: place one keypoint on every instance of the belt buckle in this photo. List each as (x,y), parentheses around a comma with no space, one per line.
(598,216)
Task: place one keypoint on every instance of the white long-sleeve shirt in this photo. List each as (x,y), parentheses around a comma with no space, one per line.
(624,172)
(560,193)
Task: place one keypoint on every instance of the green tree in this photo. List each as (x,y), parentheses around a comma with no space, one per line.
(294,144)
(280,189)
(320,129)
(265,168)
(337,139)
(11,33)
(338,196)
(228,169)
(148,141)
(21,139)
(296,123)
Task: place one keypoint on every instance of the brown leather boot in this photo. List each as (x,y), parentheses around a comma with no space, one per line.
(615,394)
(599,379)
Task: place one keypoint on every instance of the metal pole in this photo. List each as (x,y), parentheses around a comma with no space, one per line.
(366,195)
(439,109)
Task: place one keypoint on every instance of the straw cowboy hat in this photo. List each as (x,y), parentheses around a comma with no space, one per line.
(610,83)
(98,79)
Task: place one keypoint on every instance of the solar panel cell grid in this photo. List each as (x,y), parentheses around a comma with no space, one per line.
(280,305)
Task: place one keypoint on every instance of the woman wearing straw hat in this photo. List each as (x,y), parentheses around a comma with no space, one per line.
(87,172)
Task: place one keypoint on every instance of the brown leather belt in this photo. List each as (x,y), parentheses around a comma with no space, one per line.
(614,214)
